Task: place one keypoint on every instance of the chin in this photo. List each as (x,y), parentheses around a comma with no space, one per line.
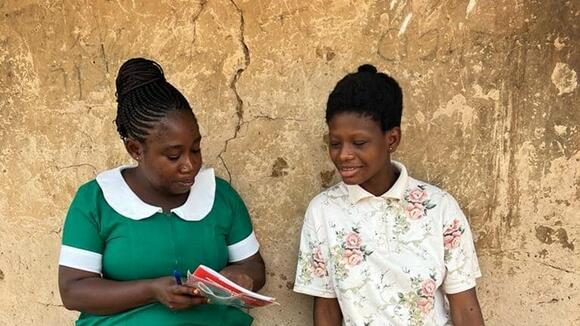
(179,191)
(352,181)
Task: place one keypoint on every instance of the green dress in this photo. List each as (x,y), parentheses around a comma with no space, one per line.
(109,230)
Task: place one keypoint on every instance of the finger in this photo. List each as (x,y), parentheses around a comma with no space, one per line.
(181,290)
(180,300)
(200,300)
(186,302)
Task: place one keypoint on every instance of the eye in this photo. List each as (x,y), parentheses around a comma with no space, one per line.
(196,150)
(359,142)
(173,157)
(334,144)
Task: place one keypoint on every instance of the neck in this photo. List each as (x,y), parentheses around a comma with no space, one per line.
(382,182)
(141,186)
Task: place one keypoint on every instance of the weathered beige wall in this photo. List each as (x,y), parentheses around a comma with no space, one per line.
(491,114)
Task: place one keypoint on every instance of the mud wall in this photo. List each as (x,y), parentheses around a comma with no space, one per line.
(491,115)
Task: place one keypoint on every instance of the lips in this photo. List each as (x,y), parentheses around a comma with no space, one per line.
(348,171)
(186,183)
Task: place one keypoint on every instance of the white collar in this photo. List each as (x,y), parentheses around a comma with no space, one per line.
(125,202)
(397,191)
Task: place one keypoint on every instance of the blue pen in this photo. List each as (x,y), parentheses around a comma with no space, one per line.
(177,276)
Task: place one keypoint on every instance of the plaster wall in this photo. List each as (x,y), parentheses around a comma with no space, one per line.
(490,114)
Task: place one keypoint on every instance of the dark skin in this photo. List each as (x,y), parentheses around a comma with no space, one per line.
(168,162)
(327,312)
(361,152)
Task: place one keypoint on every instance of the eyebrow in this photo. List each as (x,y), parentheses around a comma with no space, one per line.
(355,134)
(179,146)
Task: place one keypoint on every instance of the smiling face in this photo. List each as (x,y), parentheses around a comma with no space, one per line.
(360,150)
(170,158)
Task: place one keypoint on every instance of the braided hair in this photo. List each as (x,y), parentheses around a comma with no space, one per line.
(368,93)
(143,98)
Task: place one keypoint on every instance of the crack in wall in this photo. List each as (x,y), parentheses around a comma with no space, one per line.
(50,304)
(74,166)
(233,87)
(267,117)
(202,5)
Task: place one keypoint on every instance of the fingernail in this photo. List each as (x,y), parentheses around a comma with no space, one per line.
(196,292)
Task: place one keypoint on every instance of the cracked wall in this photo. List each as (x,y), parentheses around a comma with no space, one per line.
(490,114)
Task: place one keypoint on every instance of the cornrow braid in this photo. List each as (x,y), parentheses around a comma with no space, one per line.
(143,98)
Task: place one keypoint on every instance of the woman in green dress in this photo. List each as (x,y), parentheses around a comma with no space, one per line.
(129,229)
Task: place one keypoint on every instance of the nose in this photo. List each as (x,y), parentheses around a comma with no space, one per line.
(345,153)
(186,165)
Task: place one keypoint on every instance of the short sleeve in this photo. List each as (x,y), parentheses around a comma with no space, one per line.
(241,239)
(82,246)
(459,251)
(312,273)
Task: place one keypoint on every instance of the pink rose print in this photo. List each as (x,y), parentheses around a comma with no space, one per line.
(455,242)
(353,241)
(353,257)
(448,241)
(425,304)
(317,255)
(417,195)
(318,265)
(319,269)
(418,203)
(428,288)
(454,227)
(452,235)
(414,211)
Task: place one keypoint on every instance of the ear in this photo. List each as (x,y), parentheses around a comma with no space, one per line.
(393,138)
(134,148)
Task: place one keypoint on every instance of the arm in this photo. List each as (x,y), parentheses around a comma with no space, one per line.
(327,312)
(88,292)
(249,273)
(465,310)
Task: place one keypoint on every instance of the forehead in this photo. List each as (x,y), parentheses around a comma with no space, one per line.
(176,128)
(352,123)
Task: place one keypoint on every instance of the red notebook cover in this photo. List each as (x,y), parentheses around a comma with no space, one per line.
(221,290)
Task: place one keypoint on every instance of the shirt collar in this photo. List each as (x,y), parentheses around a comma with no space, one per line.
(356,193)
(124,201)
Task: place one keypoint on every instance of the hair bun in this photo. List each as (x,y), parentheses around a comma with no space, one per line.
(135,73)
(367,68)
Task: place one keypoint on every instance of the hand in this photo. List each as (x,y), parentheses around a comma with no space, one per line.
(176,297)
(237,275)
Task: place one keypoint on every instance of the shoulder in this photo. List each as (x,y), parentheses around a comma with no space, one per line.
(430,196)
(416,188)
(87,201)
(224,189)
(89,191)
(222,184)
(335,196)
(225,194)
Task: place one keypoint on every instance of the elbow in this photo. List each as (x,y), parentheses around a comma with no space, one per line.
(67,297)
(70,307)
(67,301)
(261,281)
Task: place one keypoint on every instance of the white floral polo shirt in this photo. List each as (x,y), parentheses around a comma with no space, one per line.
(388,260)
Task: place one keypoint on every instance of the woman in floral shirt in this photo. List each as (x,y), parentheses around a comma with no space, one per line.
(382,248)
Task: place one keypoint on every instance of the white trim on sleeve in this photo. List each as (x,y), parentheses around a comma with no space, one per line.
(314,292)
(80,259)
(244,248)
(462,286)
